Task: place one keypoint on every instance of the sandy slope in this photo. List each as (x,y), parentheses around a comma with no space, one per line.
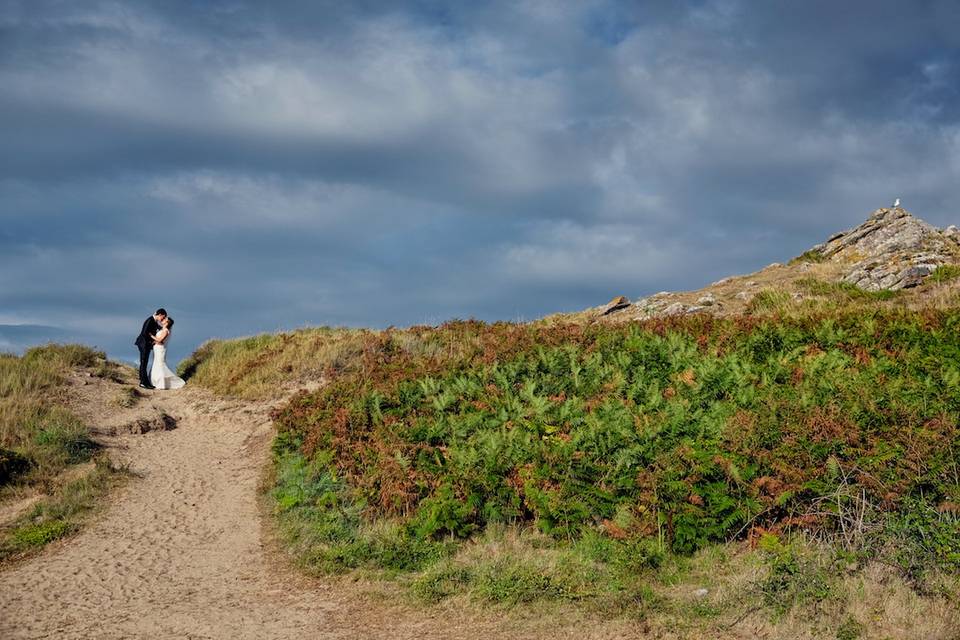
(181,552)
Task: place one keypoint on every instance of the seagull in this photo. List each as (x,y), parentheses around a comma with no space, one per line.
(896,203)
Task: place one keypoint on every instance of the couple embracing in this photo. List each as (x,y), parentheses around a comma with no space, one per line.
(154,337)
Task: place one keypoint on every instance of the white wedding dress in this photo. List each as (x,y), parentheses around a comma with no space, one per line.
(160,376)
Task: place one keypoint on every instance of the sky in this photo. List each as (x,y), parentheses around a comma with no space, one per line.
(263,166)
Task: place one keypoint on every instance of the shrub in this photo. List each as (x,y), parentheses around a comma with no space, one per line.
(681,430)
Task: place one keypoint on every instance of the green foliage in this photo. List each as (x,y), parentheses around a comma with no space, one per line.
(623,445)
(849,629)
(510,582)
(37,535)
(811,255)
(34,423)
(945,273)
(440,580)
(188,367)
(640,432)
(65,439)
(844,291)
(317,512)
(793,578)
(504,568)
(64,356)
(924,538)
(62,512)
(768,300)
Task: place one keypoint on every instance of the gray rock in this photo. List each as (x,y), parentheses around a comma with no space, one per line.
(744,295)
(706,300)
(891,250)
(675,309)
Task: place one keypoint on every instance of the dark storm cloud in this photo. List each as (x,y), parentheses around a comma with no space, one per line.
(255,166)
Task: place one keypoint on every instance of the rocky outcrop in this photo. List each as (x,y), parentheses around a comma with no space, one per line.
(617,304)
(891,250)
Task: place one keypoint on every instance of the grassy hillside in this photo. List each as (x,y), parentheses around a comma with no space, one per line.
(264,366)
(45,448)
(612,465)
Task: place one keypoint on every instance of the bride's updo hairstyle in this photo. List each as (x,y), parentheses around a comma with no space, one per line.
(169,323)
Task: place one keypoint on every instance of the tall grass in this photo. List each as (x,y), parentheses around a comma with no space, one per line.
(262,366)
(40,438)
(34,424)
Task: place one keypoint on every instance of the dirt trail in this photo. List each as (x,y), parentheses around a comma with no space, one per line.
(181,553)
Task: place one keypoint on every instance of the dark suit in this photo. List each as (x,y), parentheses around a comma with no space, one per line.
(144,342)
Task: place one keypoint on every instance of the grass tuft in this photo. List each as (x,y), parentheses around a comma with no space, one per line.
(945,273)
(811,255)
(127,397)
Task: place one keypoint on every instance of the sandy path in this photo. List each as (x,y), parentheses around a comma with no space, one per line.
(180,553)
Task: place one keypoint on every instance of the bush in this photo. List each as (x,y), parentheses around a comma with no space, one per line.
(683,429)
(612,449)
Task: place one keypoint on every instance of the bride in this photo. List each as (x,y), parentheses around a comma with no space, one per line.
(160,376)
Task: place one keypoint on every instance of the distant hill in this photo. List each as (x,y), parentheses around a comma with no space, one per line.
(893,256)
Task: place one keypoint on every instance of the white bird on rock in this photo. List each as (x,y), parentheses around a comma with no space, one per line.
(896,203)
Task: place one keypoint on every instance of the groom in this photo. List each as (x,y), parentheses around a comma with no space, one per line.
(145,343)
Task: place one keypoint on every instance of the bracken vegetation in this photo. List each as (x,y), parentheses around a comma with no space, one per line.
(41,441)
(521,462)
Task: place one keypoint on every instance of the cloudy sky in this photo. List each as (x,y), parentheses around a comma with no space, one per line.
(255,166)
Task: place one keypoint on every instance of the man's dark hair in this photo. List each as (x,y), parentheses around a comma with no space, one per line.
(160,312)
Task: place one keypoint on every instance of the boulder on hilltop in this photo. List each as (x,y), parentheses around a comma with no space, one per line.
(891,250)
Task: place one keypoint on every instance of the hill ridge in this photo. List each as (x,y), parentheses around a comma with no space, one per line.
(892,250)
